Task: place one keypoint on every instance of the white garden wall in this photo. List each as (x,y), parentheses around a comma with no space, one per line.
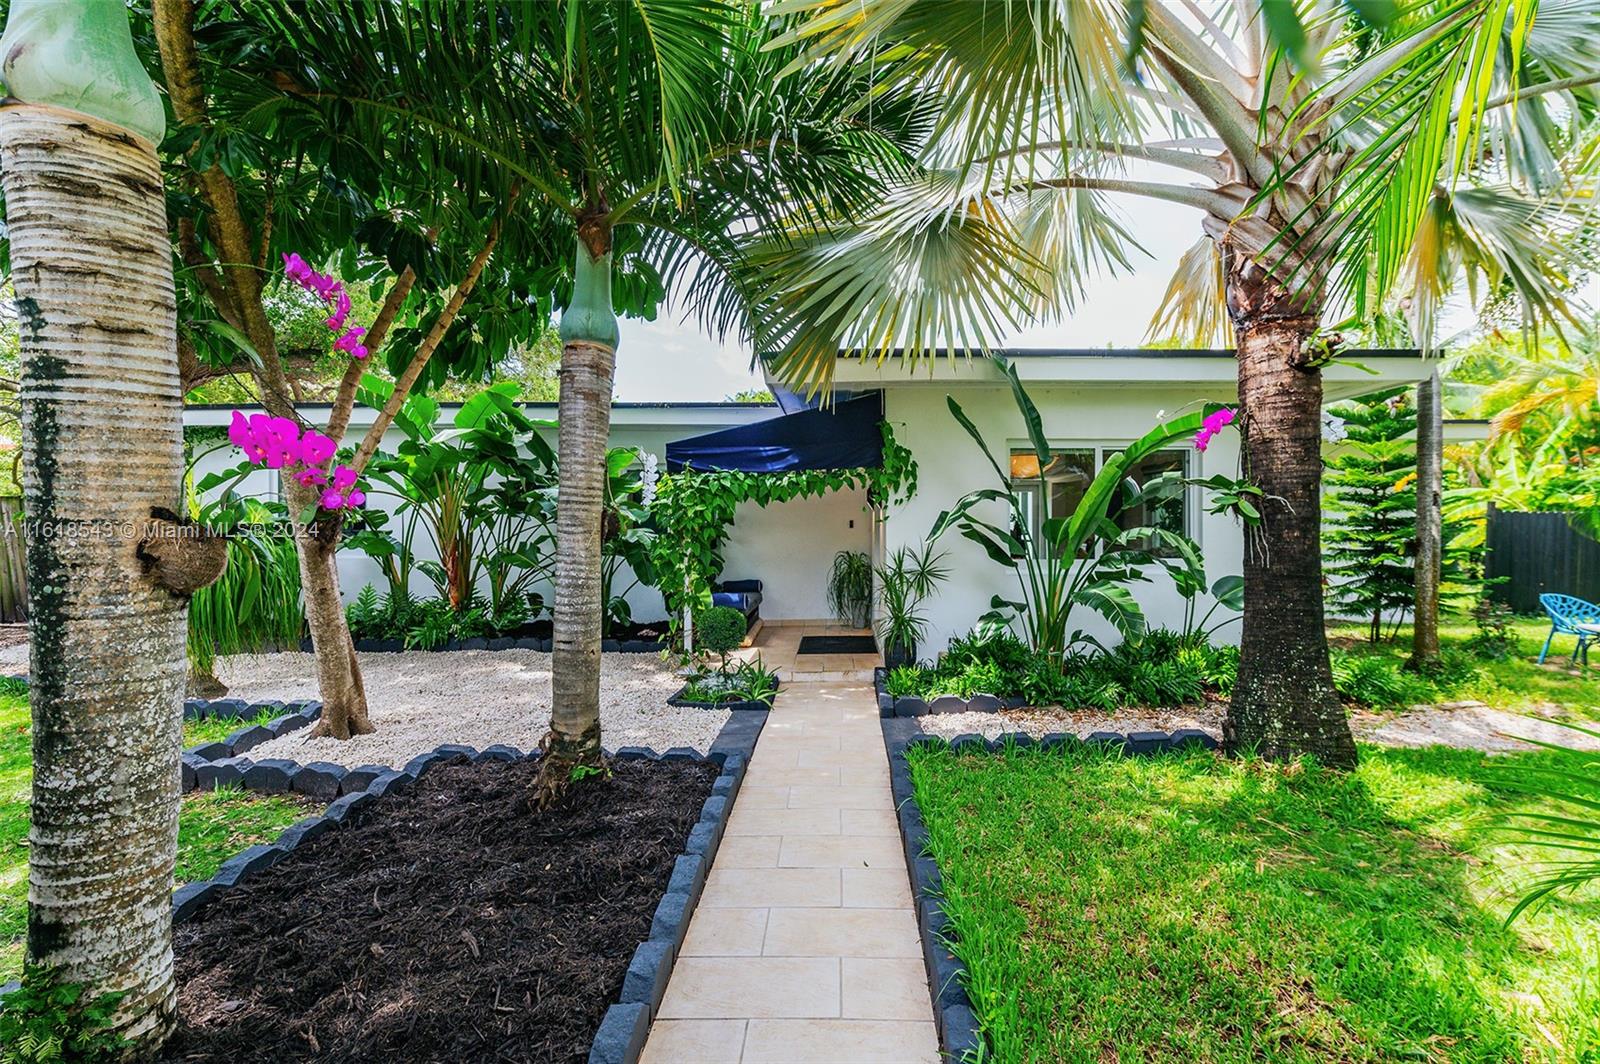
(790,546)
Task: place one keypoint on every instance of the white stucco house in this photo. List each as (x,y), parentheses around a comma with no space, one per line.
(1092,401)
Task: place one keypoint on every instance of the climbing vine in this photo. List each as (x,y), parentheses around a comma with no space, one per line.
(693,510)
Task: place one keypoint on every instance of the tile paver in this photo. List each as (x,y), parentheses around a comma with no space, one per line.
(804,947)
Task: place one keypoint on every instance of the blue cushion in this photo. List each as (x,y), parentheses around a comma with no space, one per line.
(739,585)
(743,601)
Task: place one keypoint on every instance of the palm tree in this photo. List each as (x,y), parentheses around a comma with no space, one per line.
(1321,152)
(661,136)
(103,453)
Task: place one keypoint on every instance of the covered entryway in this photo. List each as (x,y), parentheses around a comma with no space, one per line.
(789,545)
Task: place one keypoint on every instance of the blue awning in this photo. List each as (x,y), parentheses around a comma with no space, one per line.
(844,436)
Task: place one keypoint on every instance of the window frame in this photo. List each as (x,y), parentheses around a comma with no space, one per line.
(1028,487)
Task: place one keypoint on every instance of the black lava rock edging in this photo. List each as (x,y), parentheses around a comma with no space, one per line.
(348,790)
(291,716)
(626,1024)
(503,642)
(960,1038)
(746,705)
(910,706)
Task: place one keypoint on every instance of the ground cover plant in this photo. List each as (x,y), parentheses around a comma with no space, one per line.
(450,923)
(738,681)
(215,729)
(212,826)
(1194,908)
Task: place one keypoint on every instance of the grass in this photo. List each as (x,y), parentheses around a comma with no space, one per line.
(196,732)
(1514,684)
(212,826)
(1189,908)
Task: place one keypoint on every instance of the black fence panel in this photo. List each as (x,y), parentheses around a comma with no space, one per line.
(1535,553)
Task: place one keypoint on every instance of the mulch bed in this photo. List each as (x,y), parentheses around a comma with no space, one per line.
(451,923)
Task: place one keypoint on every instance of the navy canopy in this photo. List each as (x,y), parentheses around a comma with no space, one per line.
(844,436)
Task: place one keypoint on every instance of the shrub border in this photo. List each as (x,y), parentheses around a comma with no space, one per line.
(499,642)
(911,706)
(960,1038)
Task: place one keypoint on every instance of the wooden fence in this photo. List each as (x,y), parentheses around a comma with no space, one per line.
(1534,553)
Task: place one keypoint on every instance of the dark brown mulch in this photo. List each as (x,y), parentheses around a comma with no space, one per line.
(450,924)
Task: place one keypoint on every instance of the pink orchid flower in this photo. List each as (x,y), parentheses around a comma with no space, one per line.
(1214,423)
(316,449)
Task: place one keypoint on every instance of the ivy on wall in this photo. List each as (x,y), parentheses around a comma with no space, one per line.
(694,509)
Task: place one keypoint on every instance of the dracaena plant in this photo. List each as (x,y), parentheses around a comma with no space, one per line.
(1083,561)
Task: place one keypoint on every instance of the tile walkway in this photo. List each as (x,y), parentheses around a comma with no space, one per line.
(778,645)
(804,946)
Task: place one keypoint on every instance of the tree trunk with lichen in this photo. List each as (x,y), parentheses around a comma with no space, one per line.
(103,449)
(1284,703)
(588,363)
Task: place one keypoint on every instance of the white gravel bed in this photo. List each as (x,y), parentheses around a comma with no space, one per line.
(1079,722)
(420,700)
(1464,725)
(1472,726)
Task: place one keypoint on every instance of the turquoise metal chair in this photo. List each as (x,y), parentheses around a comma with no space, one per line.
(1571,616)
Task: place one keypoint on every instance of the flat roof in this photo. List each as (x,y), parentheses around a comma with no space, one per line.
(1122,352)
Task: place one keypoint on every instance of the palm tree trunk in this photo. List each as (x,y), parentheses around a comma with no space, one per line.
(102,446)
(1430,522)
(1284,703)
(588,363)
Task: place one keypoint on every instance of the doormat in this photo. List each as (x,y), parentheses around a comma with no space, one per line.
(838,644)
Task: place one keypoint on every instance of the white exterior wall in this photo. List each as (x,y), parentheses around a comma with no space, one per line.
(647,429)
(790,546)
(949,464)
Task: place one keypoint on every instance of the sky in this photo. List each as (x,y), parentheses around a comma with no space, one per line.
(672,360)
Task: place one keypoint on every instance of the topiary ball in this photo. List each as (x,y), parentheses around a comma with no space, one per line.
(720,629)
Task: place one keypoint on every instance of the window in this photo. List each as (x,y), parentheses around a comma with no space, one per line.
(1069,473)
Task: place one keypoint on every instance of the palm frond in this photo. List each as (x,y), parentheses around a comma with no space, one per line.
(1194,311)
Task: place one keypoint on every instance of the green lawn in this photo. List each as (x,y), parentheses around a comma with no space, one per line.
(1193,909)
(1516,683)
(212,827)
(196,732)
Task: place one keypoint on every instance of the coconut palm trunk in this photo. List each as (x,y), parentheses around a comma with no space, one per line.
(1428,564)
(588,363)
(1284,702)
(102,449)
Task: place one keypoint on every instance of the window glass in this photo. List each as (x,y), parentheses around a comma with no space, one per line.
(1069,473)
(1169,512)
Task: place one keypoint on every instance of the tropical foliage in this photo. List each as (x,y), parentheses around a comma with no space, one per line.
(1084,560)
(1370,530)
(1340,160)
(905,581)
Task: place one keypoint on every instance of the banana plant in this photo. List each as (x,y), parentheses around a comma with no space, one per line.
(1084,560)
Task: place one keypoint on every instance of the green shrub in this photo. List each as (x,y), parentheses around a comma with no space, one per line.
(46,1022)
(1003,650)
(1494,640)
(905,681)
(365,614)
(720,629)
(1377,681)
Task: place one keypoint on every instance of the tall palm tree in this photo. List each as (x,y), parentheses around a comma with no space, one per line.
(102,453)
(661,135)
(1313,146)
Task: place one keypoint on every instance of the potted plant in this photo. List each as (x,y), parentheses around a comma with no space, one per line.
(906,582)
(850,588)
